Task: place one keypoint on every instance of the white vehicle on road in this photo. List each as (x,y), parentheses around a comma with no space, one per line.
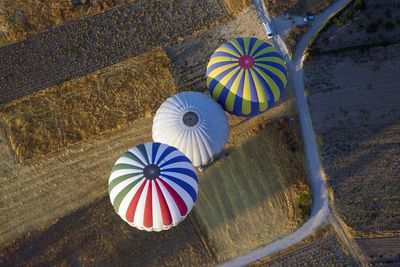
(309,18)
(268,30)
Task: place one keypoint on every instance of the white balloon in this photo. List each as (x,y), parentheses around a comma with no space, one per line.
(195,124)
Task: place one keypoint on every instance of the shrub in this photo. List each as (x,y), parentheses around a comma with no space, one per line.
(373,27)
(389,26)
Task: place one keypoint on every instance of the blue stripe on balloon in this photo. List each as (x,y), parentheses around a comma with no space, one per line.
(154,150)
(232,47)
(261,47)
(252,42)
(237,107)
(269,54)
(241,43)
(218,64)
(185,171)
(224,54)
(165,153)
(253,91)
(187,187)
(175,160)
(212,85)
(275,65)
(255,108)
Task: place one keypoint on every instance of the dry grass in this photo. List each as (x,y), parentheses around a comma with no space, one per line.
(252,196)
(108,99)
(21,19)
(279,7)
(235,6)
(294,36)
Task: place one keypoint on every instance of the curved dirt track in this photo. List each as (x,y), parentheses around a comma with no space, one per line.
(320,210)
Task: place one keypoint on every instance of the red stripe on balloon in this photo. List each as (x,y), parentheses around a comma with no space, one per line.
(148,208)
(166,214)
(130,213)
(177,198)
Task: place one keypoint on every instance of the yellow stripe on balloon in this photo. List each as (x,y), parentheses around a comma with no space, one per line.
(222,59)
(262,98)
(228,50)
(246,103)
(275,71)
(221,69)
(274,87)
(230,99)
(265,50)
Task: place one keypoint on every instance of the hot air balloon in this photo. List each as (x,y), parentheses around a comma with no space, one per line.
(246,76)
(153,186)
(195,124)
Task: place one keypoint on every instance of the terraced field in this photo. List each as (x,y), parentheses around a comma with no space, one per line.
(84,46)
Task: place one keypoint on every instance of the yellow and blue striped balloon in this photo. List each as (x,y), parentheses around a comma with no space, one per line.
(246,76)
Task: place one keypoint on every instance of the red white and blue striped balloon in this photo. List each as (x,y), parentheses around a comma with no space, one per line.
(153,186)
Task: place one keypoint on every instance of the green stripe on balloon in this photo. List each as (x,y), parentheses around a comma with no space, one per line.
(122,178)
(125,166)
(121,195)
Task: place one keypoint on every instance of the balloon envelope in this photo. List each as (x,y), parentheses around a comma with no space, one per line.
(153,186)
(195,124)
(246,76)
